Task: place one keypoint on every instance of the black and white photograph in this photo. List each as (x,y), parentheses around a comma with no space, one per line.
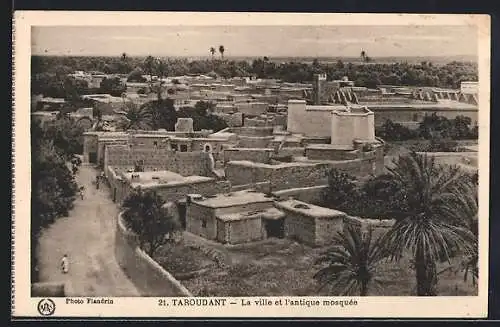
(304,162)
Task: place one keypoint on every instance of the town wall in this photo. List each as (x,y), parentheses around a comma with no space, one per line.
(146,274)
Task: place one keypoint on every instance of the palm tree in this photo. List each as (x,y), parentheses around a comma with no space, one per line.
(221,50)
(135,117)
(426,226)
(149,65)
(124,56)
(363,55)
(465,212)
(212,52)
(351,263)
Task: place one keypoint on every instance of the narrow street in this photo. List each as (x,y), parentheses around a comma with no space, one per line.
(87,237)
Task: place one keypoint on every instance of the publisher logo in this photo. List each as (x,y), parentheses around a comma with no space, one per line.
(46,307)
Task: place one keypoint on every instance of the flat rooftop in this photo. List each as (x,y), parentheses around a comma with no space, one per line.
(309,209)
(233,199)
(162,177)
(271,213)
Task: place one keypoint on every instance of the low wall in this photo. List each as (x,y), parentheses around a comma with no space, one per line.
(282,176)
(145,273)
(328,153)
(262,155)
(177,192)
(263,187)
(311,194)
(378,227)
(255,141)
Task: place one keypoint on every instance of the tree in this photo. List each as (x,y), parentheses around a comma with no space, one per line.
(113,86)
(351,263)
(221,51)
(342,191)
(426,228)
(363,55)
(124,57)
(202,116)
(66,136)
(149,67)
(163,113)
(212,52)
(136,76)
(53,188)
(138,118)
(144,215)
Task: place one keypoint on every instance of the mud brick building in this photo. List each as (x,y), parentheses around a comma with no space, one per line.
(310,224)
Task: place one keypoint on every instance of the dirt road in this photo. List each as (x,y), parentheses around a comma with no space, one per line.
(87,237)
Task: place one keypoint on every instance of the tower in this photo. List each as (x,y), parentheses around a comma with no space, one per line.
(318,81)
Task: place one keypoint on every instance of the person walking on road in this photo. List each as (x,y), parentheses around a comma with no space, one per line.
(65,264)
(82,188)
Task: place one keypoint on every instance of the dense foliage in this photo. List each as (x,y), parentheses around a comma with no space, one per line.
(434,134)
(144,215)
(435,208)
(369,75)
(53,187)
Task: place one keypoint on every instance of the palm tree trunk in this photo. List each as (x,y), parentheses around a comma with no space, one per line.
(364,289)
(426,275)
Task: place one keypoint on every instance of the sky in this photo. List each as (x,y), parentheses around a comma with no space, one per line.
(271,41)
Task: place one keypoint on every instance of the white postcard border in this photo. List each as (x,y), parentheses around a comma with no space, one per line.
(442,307)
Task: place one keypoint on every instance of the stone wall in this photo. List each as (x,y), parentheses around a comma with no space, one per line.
(327,228)
(178,192)
(262,155)
(254,141)
(301,228)
(282,176)
(183,163)
(311,194)
(379,227)
(253,131)
(328,153)
(263,187)
(195,215)
(241,231)
(146,274)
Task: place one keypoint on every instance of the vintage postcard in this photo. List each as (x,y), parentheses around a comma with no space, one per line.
(250,165)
